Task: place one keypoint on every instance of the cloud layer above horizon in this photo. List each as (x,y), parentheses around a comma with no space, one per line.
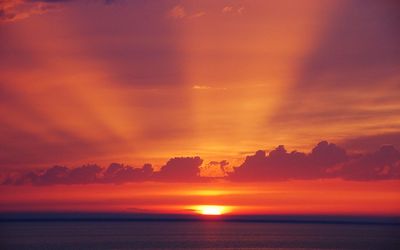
(326,160)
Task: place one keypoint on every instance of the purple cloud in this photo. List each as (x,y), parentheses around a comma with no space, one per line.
(383,164)
(182,169)
(118,173)
(326,160)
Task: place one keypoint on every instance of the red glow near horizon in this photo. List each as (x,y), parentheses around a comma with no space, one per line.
(333,197)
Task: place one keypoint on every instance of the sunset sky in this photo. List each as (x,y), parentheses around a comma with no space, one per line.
(164,106)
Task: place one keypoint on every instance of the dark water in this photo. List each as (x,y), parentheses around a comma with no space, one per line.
(195,235)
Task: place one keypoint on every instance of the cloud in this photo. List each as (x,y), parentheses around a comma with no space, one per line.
(227,9)
(233,10)
(215,169)
(180,12)
(181,169)
(383,164)
(205,87)
(201,87)
(177,12)
(85,174)
(221,164)
(326,160)
(118,173)
(12,10)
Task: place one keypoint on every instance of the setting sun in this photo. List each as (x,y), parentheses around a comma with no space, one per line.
(211,209)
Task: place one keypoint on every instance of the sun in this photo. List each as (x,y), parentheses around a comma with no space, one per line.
(211,209)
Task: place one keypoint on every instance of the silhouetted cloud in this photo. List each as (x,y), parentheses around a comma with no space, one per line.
(182,169)
(118,173)
(220,164)
(215,169)
(85,174)
(326,160)
(383,164)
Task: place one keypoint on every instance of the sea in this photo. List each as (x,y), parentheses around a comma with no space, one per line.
(195,235)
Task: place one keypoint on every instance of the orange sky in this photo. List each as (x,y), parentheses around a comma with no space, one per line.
(142,82)
(291,197)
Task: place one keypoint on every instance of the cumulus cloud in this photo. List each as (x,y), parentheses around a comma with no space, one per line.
(220,164)
(85,174)
(56,175)
(181,169)
(381,165)
(118,173)
(215,169)
(326,160)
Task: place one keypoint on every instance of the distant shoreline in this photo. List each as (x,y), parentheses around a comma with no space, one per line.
(120,217)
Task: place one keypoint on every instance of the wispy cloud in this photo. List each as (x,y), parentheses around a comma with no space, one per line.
(206,87)
(12,10)
(234,10)
(180,12)
(200,87)
(177,12)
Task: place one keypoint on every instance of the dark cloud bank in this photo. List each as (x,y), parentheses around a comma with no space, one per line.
(326,160)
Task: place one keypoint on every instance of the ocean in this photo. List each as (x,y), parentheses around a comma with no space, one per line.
(195,235)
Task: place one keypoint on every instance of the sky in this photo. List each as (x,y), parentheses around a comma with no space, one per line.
(161,106)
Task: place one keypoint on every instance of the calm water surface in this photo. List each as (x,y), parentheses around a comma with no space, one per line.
(195,235)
